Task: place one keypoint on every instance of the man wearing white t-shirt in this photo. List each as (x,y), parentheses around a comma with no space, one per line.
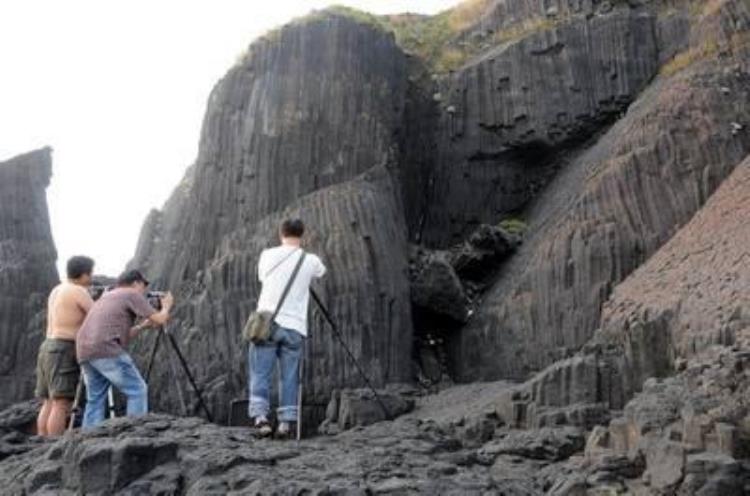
(288,330)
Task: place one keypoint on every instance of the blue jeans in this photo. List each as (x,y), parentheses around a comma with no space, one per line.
(286,346)
(101,373)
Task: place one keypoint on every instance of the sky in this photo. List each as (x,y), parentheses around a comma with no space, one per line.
(118,89)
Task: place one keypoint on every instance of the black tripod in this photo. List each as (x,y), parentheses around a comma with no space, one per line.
(338,336)
(162,331)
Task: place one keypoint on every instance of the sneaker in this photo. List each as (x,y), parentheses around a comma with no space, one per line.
(287,430)
(263,426)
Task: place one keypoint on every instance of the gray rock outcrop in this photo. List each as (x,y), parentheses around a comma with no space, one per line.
(27,269)
(306,124)
(691,295)
(613,207)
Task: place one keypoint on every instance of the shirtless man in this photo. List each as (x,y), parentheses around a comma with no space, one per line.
(57,370)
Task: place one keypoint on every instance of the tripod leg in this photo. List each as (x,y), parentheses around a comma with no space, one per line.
(338,335)
(76,403)
(177,385)
(189,375)
(153,352)
(111,402)
(299,395)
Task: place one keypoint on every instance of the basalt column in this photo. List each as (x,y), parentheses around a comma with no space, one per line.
(27,269)
(307,124)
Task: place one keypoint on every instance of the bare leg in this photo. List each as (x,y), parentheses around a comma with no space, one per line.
(58,416)
(43,418)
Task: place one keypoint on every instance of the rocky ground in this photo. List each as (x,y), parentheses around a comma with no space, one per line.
(685,435)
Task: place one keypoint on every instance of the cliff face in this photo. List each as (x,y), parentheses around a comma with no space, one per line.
(27,269)
(601,126)
(613,206)
(308,124)
(509,116)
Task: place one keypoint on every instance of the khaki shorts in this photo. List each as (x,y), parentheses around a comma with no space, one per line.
(57,370)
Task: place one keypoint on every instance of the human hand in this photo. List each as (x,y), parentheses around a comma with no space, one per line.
(168,300)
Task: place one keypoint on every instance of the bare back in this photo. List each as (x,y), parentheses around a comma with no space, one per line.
(66,308)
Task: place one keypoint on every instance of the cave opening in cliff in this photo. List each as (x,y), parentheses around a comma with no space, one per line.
(433,332)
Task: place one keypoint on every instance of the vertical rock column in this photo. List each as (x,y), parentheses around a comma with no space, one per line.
(27,269)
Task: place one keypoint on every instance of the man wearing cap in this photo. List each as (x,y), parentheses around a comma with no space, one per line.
(102,341)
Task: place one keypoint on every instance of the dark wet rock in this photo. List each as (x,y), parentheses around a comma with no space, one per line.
(436,289)
(27,269)
(479,257)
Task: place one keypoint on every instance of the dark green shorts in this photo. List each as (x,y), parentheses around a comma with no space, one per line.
(57,369)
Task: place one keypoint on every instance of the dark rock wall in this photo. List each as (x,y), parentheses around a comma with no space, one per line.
(308,123)
(688,296)
(508,116)
(308,107)
(27,269)
(641,181)
(329,118)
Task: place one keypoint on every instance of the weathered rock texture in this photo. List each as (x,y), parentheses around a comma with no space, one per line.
(413,455)
(27,269)
(306,124)
(689,296)
(614,206)
(567,117)
(508,115)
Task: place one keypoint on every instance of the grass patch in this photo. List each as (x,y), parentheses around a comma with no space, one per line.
(437,39)
(691,56)
(523,29)
(359,16)
(514,226)
(739,42)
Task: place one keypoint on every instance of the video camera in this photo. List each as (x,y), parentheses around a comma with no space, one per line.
(154,298)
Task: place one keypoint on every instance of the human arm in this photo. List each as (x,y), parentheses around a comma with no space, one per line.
(161,317)
(140,327)
(84,300)
(320,268)
(141,308)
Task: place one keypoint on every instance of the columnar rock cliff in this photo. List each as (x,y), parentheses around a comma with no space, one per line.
(614,205)
(306,124)
(27,269)
(508,116)
(549,191)
(599,126)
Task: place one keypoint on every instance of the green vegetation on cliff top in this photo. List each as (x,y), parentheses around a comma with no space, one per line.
(443,41)
(428,37)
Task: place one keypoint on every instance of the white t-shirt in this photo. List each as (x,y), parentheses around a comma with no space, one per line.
(293,314)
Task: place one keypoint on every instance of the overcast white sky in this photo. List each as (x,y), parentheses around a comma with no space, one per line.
(118,89)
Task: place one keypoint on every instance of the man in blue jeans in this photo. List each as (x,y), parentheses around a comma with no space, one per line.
(289,329)
(103,338)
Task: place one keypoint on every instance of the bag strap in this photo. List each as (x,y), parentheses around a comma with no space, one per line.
(289,285)
(279,263)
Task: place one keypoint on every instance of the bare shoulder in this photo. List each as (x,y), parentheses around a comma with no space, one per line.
(75,291)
